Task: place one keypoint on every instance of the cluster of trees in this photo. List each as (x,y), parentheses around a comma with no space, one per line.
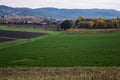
(66,24)
(97,23)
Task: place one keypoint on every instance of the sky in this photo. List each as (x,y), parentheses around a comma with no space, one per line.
(69,4)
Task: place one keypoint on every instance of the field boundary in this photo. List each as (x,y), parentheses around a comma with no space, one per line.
(60,73)
(92,30)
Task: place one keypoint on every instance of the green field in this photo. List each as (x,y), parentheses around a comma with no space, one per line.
(62,50)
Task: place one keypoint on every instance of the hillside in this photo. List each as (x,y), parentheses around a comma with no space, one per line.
(59,13)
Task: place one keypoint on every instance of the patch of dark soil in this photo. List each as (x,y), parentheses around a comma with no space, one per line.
(20,34)
(2,40)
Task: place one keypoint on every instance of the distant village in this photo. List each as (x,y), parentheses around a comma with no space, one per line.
(31,21)
(54,24)
(27,20)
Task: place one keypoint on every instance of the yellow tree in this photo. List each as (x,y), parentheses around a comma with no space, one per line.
(90,24)
(101,23)
(80,18)
(100,19)
(116,23)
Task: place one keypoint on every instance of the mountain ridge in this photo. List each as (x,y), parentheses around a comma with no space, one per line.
(59,13)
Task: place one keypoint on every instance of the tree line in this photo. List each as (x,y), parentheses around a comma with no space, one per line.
(98,23)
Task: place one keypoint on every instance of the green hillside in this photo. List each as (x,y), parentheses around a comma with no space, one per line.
(61,49)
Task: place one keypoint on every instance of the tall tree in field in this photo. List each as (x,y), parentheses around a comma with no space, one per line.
(67,24)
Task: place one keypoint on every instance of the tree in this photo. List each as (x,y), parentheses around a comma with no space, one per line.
(80,18)
(109,24)
(100,19)
(82,24)
(116,23)
(72,23)
(66,24)
(90,24)
(101,23)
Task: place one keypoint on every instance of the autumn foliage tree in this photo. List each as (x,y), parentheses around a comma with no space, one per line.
(101,23)
(82,24)
(97,23)
(80,18)
(77,23)
(116,23)
(90,24)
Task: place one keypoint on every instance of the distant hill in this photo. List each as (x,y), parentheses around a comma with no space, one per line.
(59,13)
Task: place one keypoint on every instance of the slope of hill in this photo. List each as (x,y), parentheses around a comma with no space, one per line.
(59,13)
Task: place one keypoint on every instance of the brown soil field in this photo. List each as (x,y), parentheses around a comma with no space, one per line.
(92,30)
(58,73)
(19,34)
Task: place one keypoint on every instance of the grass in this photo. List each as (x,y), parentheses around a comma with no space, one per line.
(69,73)
(63,50)
(27,29)
(22,41)
(58,56)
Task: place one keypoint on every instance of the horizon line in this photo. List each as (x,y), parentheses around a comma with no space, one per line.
(60,8)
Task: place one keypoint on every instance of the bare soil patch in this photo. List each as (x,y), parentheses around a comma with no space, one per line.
(2,40)
(20,34)
(92,30)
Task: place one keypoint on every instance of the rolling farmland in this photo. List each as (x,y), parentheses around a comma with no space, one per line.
(62,49)
(59,55)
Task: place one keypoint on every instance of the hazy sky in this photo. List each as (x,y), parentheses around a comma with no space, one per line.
(79,4)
